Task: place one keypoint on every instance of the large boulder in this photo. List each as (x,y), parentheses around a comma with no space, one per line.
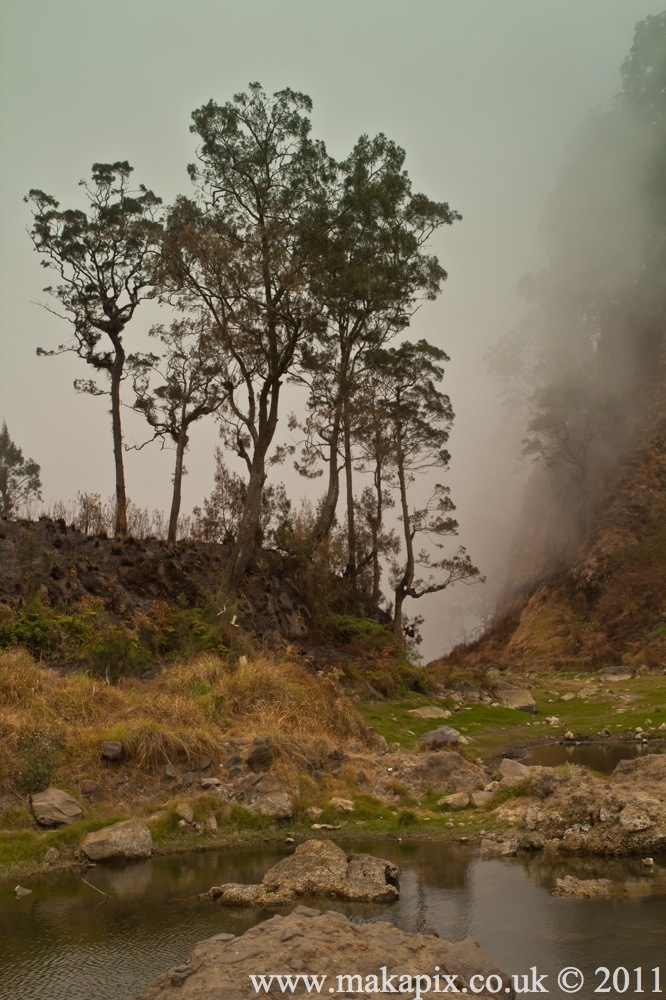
(119,842)
(54,808)
(379,957)
(442,772)
(317,868)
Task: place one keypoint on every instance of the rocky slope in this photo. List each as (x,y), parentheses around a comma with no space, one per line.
(602,601)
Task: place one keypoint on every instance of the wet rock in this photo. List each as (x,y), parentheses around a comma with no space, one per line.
(54,808)
(119,842)
(112,750)
(320,942)
(21,891)
(582,888)
(317,868)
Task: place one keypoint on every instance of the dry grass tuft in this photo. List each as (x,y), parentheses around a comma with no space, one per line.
(52,726)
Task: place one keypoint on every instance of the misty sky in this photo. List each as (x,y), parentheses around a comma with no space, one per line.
(484,95)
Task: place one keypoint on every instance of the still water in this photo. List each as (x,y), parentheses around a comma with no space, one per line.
(601,757)
(66,941)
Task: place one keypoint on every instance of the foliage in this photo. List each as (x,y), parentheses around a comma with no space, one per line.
(105,260)
(19,477)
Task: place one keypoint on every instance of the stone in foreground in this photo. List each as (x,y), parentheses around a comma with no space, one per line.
(328,945)
(317,868)
(54,808)
(121,842)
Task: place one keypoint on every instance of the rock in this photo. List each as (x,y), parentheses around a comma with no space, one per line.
(184,811)
(430,712)
(328,945)
(260,756)
(455,801)
(345,805)
(504,848)
(479,798)
(204,764)
(581,888)
(54,808)
(326,826)
(170,771)
(444,736)
(20,891)
(517,698)
(208,783)
(276,805)
(210,824)
(112,750)
(314,811)
(605,732)
(513,771)
(442,772)
(318,868)
(615,674)
(51,855)
(632,818)
(92,790)
(569,696)
(232,762)
(188,779)
(119,842)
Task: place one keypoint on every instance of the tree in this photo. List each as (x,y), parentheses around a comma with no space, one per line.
(419,418)
(223,510)
(106,260)
(374,269)
(191,387)
(243,249)
(19,476)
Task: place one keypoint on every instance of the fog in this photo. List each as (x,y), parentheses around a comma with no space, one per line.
(483,97)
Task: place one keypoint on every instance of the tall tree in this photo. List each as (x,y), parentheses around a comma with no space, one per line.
(191,386)
(243,249)
(374,270)
(19,476)
(419,418)
(106,258)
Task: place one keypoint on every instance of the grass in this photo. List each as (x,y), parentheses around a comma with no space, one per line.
(52,726)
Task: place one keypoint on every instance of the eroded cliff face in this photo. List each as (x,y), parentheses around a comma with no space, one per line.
(596,596)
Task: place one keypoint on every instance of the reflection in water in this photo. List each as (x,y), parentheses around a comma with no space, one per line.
(66,942)
(602,757)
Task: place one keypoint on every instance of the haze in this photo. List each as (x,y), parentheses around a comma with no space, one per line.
(484,98)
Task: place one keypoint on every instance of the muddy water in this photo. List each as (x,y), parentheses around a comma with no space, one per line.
(66,941)
(601,757)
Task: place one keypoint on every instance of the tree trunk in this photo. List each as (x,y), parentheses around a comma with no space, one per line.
(326,516)
(351,570)
(405,582)
(247,530)
(116,378)
(181,445)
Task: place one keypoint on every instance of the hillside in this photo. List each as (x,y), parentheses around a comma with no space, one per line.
(603,600)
